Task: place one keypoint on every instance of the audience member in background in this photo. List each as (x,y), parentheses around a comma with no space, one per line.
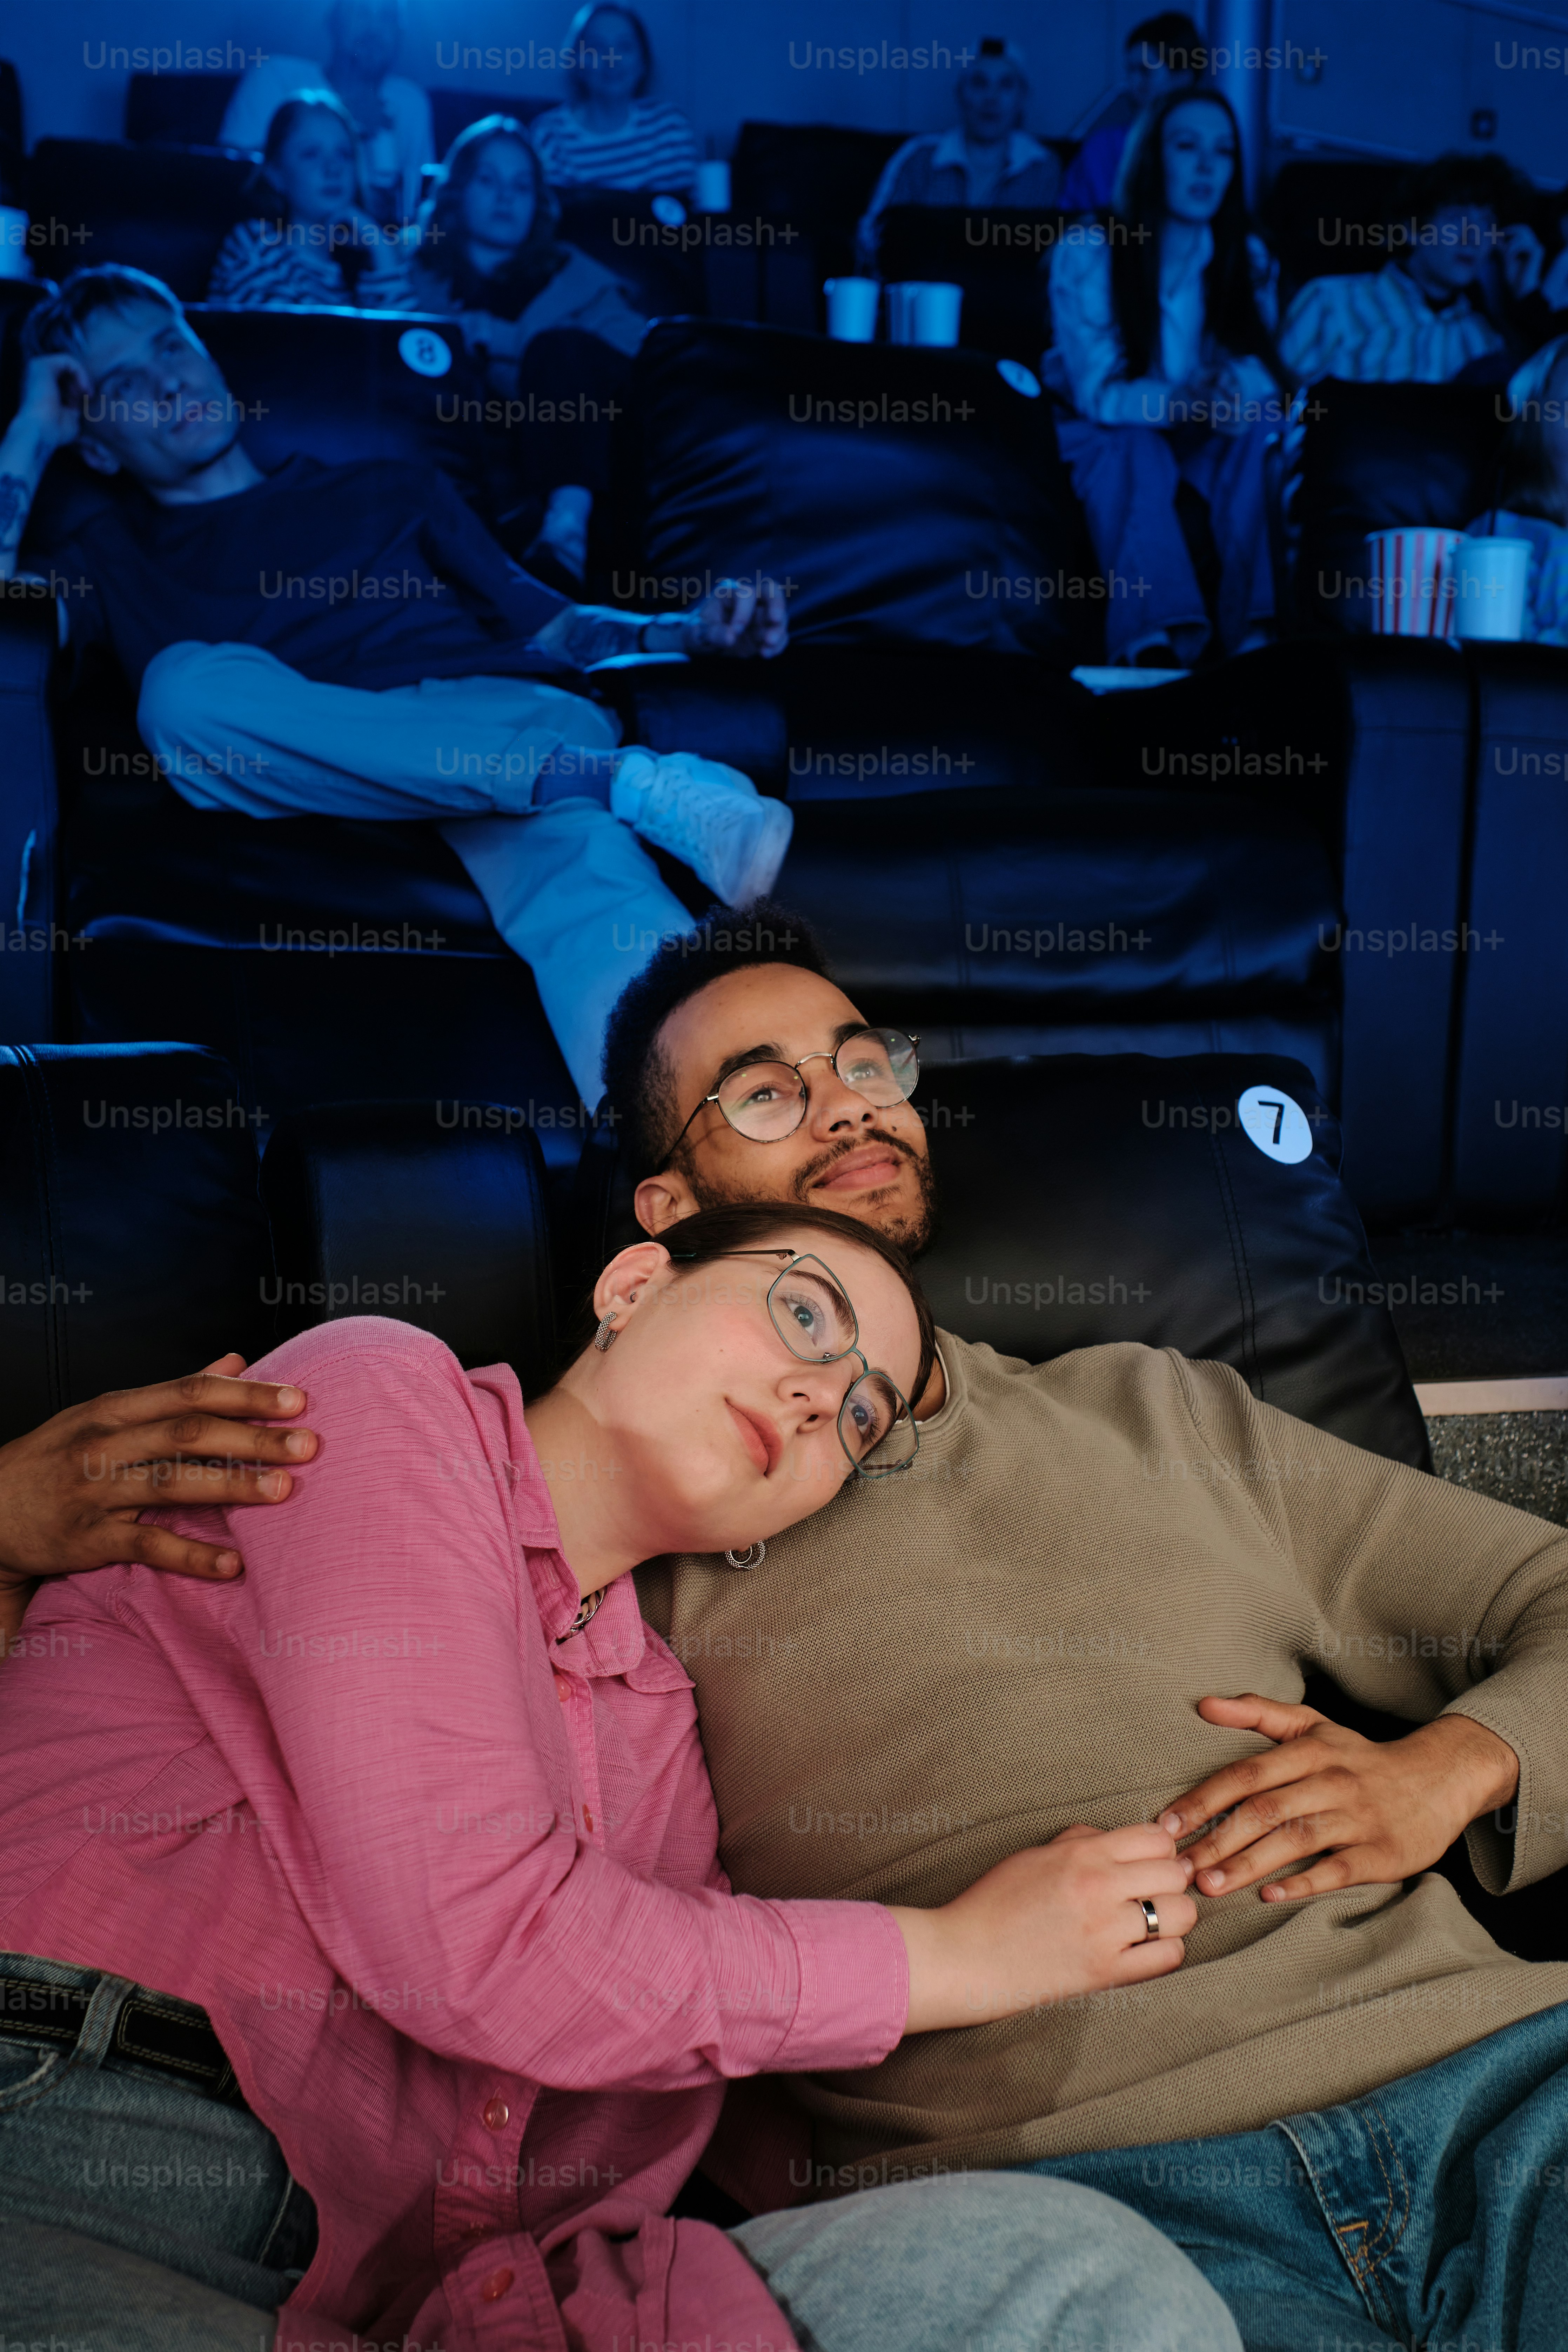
(1422,318)
(315,242)
(610,133)
(1156,58)
(349,640)
(390,115)
(491,257)
(987,158)
(1164,352)
(1532,488)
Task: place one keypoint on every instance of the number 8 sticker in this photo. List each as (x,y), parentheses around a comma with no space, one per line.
(1277,1125)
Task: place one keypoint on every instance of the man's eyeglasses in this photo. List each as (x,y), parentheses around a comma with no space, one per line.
(766,1101)
(810,1311)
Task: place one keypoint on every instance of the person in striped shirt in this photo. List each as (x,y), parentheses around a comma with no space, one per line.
(1423,318)
(610,133)
(315,244)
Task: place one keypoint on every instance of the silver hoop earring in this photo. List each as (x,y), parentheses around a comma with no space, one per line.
(606,1335)
(752,1557)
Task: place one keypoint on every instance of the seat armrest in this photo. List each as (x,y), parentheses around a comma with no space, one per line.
(1376,734)
(29,814)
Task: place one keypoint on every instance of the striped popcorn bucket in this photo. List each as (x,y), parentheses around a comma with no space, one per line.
(1411,582)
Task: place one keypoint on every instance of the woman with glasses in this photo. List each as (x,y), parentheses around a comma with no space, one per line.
(368,1952)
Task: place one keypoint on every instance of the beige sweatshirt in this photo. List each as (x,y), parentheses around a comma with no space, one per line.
(941,1667)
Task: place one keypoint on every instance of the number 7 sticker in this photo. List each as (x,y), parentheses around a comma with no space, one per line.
(1277,1125)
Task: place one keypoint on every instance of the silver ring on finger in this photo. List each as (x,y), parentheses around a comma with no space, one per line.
(1151,1919)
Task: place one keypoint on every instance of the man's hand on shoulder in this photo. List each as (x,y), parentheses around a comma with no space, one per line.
(71,1491)
(1366,1812)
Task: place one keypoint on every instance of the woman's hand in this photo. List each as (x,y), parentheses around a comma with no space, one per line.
(1375,1812)
(1051,1923)
(71,1491)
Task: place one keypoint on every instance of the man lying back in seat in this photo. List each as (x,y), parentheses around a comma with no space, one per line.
(350,641)
(1029,1630)
(1036,1628)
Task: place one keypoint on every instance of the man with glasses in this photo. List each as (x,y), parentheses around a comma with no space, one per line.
(1091,1598)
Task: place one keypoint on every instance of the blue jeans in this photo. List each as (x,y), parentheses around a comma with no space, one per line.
(132,2211)
(1127,477)
(570,888)
(136,2216)
(1431,2212)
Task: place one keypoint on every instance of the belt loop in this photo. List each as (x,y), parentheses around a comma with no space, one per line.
(107,1998)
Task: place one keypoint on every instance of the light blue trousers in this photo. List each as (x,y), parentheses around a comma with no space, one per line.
(570,888)
(136,2216)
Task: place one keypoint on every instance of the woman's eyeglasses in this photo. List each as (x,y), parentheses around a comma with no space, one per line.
(810,1311)
(766,1101)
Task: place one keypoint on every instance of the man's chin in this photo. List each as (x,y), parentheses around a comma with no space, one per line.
(899,1211)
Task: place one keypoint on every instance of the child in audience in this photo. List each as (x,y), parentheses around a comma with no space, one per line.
(390,115)
(490,256)
(1162,350)
(1532,491)
(610,133)
(316,244)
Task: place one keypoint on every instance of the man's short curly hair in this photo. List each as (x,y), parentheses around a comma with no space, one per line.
(638,1078)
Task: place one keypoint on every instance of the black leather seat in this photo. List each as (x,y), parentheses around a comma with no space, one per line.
(816,178)
(901,496)
(998,256)
(1329,218)
(164,209)
(1376,456)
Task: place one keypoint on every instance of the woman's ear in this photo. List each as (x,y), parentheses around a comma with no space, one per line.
(626,1278)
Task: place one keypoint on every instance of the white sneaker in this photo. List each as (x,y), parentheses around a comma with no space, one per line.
(710,816)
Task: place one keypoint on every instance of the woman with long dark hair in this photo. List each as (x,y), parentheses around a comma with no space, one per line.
(371,1903)
(1164,351)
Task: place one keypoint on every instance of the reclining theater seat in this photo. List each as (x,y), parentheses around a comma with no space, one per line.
(135,1242)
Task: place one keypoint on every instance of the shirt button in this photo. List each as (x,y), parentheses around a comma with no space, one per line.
(496,2286)
(588,1817)
(498,2115)
(562,1688)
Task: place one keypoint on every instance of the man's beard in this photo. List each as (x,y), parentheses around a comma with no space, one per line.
(912,1233)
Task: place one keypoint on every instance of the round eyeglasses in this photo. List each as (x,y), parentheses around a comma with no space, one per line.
(766,1101)
(810,1309)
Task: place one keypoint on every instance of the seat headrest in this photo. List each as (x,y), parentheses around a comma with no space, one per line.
(1094,1197)
(132,1242)
(432,1213)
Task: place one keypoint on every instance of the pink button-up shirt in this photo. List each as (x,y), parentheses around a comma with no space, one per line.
(445,1885)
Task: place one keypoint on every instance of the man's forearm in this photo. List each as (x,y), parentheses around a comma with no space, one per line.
(23,457)
(585,633)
